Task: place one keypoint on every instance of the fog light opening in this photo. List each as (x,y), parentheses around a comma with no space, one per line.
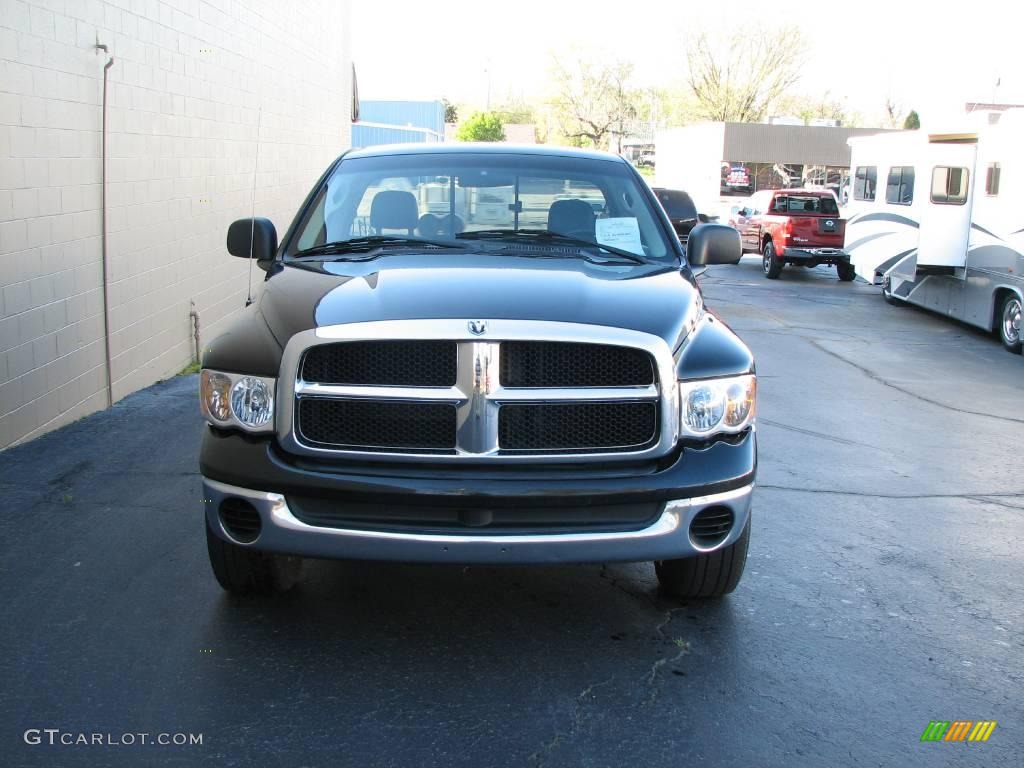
(240,520)
(711,526)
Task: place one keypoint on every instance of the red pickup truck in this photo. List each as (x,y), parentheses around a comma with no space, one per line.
(795,226)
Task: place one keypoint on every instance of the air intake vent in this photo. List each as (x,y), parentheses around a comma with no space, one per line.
(577,427)
(377,425)
(711,526)
(562,364)
(383,363)
(240,519)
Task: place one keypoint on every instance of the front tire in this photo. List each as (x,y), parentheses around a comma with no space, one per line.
(710,575)
(1010,321)
(771,265)
(846,271)
(243,571)
(887,293)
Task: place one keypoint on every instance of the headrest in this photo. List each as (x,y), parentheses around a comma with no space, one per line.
(570,217)
(394,209)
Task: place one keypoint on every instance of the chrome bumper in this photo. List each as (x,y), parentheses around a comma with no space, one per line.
(667,538)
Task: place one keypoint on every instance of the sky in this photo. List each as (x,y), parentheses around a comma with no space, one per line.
(931,57)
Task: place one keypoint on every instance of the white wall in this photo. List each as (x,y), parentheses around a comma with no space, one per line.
(691,159)
(187,84)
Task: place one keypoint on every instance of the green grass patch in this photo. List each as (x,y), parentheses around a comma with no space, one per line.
(189,369)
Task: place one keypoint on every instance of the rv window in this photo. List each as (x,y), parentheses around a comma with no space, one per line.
(899,188)
(992,179)
(949,185)
(864,182)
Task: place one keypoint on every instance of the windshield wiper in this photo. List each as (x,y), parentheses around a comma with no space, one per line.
(372,245)
(545,236)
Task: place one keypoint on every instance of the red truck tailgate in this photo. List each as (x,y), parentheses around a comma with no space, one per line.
(816,231)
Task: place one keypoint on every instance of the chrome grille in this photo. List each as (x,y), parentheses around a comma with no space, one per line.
(526,391)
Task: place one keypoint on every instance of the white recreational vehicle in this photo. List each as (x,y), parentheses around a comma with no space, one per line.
(938,220)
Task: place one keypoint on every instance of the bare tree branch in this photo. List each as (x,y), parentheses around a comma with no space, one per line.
(741,78)
(593,98)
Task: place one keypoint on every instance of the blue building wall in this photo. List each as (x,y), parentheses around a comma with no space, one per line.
(398,122)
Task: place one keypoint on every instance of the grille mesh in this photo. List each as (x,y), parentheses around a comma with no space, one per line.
(577,426)
(377,425)
(564,364)
(383,363)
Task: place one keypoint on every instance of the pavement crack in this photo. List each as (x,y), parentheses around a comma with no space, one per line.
(576,720)
(979,497)
(910,393)
(812,433)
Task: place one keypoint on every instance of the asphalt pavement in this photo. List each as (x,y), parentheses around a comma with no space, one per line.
(883,590)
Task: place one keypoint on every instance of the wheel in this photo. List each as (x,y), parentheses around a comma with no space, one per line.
(887,293)
(1010,323)
(772,266)
(846,271)
(710,575)
(243,571)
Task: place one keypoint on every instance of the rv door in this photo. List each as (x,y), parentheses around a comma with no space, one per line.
(949,181)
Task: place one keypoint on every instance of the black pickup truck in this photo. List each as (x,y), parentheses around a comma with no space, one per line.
(424,376)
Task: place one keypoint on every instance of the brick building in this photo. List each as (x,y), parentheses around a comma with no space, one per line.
(192,86)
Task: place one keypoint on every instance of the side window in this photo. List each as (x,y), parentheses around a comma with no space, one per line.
(899,187)
(864,181)
(992,179)
(949,185)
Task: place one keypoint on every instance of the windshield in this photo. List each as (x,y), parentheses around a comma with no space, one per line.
(491,199)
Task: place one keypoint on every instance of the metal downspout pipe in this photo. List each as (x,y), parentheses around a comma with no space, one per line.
(103,229)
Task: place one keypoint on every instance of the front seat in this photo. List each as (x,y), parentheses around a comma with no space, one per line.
(394,209)
(574,218)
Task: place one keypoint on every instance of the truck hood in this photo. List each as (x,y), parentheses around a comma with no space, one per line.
(656,299)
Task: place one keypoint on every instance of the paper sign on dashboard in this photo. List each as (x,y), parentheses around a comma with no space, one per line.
(621,233)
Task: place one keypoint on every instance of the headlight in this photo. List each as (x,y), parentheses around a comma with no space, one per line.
(715,406)
(237,400)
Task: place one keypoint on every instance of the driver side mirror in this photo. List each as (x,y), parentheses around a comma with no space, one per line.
(253,237)
(713,244)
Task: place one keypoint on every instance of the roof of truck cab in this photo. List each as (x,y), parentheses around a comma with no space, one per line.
(488,148)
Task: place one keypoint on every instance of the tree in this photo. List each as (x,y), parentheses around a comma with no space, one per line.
(809,108)
(739,79)
(451,112)
(913,122)
(481,126)
(593,98)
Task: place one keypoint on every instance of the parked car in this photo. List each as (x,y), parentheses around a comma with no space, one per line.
(795,226)
(738,180)
(646,158)
(680,209)
(549,390)
(735,218)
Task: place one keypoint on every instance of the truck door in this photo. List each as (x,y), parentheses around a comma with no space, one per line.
(949,182)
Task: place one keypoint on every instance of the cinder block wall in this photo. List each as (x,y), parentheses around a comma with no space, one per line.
(189,82)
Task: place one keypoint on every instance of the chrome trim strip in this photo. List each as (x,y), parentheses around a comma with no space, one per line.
(524,394)
(478,394)
(667,536)
(350,392)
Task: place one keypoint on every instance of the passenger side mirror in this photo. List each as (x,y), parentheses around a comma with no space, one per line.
(253,237)
(713,244)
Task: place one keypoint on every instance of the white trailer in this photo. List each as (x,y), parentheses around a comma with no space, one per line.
(938,220)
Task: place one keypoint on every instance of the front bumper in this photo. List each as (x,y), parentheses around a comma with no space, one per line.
(695,479)
(818,255)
